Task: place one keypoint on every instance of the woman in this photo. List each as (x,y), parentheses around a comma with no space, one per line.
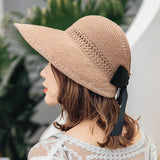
(89,64)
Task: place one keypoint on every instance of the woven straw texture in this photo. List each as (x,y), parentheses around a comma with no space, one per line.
(89,51)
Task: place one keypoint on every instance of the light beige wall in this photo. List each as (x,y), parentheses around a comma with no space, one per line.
(144,38)
(22,5)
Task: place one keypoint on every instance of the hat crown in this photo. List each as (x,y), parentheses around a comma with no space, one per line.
(89,51)
(103,41)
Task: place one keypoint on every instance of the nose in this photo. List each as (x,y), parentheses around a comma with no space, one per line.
(44,71)
(42,74)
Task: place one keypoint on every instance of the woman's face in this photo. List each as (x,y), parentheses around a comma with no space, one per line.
(50,84)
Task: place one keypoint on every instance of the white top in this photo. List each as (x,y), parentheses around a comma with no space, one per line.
(66,147)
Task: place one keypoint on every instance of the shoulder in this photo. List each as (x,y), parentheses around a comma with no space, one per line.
(151,146)
(44,149)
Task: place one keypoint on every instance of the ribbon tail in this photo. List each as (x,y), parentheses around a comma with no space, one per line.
(119,96)
(117,130)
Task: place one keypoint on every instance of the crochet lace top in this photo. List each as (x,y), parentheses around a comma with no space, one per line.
(65,147)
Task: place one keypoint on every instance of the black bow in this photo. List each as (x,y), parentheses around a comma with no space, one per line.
(120,79)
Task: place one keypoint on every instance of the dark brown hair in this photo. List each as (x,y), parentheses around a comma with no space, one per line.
(81,104)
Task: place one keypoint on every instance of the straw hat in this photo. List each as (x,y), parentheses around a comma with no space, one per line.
(93,51)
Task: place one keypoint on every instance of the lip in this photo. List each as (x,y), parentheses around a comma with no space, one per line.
(44,85)
(45,90)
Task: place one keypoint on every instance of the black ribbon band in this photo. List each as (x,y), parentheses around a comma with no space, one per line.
(117,130)
(120,80)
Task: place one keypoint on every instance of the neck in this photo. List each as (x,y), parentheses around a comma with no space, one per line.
(83,131)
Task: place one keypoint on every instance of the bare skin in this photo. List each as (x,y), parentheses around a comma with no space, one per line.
(51,84)
(82,130)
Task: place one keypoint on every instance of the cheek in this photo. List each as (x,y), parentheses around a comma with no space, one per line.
(52,87)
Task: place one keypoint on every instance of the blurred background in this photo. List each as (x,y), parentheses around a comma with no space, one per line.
(24,116)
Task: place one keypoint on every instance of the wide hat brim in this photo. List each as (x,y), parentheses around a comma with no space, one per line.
(59,49)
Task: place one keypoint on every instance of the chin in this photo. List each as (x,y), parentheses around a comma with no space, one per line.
(50,101)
